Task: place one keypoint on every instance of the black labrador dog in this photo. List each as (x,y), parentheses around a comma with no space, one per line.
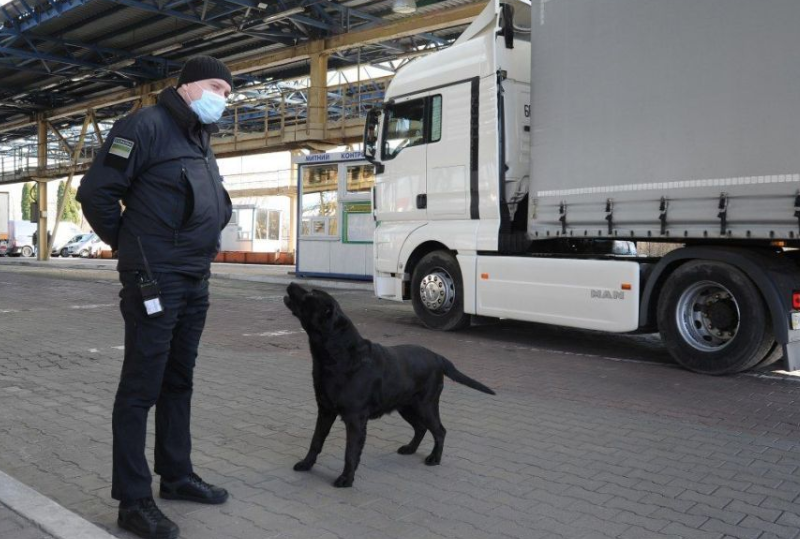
(360,380)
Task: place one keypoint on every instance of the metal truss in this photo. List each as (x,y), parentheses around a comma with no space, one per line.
(69,64)
(270,111)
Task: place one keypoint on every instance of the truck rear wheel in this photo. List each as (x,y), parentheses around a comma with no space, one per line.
(713,319)
(773,356)
(437,292)
(27,251)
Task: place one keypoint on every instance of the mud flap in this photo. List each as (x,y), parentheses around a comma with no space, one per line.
(791,352)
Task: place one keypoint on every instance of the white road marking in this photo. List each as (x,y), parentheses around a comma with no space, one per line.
(279,333)
(97,306)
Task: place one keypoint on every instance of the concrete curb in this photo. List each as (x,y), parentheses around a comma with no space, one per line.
(56,520)
(269,279)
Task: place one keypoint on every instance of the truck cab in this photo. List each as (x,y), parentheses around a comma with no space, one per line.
(452,146)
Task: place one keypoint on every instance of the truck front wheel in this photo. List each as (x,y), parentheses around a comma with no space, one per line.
(713,319)
(437,292)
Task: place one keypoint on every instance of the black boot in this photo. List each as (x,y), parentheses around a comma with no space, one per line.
(145,519)
(193,489)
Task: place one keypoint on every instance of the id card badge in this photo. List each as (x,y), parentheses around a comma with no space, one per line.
(151,298)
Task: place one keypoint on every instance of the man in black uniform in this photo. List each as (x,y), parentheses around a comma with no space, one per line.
(158,162)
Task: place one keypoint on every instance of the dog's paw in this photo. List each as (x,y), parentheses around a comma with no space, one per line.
(433,460)
(343,482)
(407,450)
(303,466)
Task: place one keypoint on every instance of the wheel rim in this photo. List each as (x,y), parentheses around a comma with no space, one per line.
(437,291)
(708,316)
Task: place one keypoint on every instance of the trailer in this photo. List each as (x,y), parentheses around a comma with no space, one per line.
(521,172)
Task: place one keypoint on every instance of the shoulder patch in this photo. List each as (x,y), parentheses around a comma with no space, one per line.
(121,147)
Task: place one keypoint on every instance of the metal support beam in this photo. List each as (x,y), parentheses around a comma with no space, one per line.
(75,155)
(61,138)
(141,4)
(293,209)
(58,8)
(318,97)
(429,22)
(100,52)
(43,248)
(96,127)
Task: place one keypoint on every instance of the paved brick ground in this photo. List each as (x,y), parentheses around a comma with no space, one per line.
(579,443)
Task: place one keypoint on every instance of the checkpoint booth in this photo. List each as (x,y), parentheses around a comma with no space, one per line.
(335,224)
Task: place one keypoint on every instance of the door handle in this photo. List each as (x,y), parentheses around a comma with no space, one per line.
(422,202)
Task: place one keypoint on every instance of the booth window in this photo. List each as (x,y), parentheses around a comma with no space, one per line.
(268,225)
(360,178)
(244,218)
(320,199)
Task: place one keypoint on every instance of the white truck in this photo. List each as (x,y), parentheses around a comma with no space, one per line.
(20,238)
(514,168)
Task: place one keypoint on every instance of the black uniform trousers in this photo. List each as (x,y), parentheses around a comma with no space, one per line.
(159,362)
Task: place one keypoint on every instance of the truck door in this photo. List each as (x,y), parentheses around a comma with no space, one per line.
(400,192)
(449,153)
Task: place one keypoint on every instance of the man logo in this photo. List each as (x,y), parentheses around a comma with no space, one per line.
(607,294)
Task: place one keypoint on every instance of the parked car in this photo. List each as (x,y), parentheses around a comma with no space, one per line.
(80,245)
(67,232)
(86,246)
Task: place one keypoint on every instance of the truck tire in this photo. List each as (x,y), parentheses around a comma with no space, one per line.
(775,353)
(27,251)
(713,319)
(437,292)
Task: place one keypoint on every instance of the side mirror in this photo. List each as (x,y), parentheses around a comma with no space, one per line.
(507,24)
(371,135)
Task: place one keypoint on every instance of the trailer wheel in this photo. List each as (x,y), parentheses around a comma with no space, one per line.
(437,292)
(27,251)
(713,319)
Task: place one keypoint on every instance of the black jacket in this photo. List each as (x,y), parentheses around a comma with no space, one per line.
(158,162)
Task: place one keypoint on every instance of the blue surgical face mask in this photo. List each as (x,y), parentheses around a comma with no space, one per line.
(209,107)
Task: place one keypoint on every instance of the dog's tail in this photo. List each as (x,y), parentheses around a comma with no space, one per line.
(457,376)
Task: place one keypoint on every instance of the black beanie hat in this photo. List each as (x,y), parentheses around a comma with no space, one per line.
(204,67)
